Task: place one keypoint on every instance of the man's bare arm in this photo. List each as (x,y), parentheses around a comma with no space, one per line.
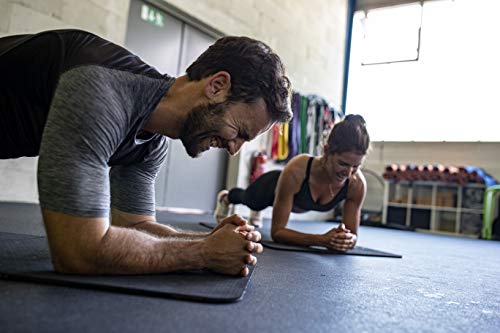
(148,224)
(92,246)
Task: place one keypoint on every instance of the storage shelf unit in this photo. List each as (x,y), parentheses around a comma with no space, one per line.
(435,207)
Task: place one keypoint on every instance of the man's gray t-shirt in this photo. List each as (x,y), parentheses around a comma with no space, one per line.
(88,133)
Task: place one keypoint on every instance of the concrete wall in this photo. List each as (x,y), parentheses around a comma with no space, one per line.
(107,18)
(308,35)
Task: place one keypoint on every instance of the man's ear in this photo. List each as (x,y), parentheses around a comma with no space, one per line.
(218,87)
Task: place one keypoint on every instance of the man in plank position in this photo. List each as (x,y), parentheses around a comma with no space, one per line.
(98,118)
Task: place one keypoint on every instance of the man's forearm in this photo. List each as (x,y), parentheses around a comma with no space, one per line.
(126,251)
(191,234)
(162,230)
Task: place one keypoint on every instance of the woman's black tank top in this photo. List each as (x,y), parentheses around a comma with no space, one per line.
(303,200)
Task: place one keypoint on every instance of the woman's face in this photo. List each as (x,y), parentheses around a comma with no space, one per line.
(341,166)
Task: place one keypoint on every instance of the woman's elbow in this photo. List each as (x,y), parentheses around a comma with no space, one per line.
(276,234)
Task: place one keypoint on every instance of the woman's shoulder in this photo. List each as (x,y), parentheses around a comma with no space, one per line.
(300,160)
(357,183)
(296,167)
(298,163)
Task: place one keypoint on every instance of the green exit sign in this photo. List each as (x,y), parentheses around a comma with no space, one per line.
(152,15)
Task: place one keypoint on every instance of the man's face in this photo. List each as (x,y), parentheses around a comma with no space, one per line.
(224,125)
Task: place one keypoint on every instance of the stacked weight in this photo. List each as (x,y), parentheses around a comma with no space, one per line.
(429,172)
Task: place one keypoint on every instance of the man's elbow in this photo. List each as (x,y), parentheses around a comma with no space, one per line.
(73,264)
(74,242)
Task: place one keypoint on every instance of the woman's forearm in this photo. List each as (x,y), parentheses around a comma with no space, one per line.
(289,236)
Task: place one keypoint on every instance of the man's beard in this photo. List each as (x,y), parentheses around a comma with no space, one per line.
(204,121)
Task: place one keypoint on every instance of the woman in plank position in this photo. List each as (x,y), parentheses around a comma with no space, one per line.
(310,183)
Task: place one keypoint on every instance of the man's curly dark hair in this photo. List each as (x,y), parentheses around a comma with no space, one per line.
(256,71)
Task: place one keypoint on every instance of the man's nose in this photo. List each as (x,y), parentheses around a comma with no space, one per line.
(234,146)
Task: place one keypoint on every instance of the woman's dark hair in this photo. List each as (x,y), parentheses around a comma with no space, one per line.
(256,71)
(349,135)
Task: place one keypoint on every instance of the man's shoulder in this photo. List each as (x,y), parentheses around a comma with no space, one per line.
(103,99)
(98,80)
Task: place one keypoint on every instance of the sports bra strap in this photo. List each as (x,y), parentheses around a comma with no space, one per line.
(308,170)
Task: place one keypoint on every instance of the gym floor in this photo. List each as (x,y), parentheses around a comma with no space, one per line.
(442,284)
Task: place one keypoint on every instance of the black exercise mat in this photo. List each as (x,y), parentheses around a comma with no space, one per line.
(9,235)
(26,258)
(357,251)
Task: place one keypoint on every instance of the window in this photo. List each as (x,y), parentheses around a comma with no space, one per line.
(452,93)
(391,34)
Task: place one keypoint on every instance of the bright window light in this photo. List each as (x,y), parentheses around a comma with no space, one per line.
(391,34)
(452,93)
